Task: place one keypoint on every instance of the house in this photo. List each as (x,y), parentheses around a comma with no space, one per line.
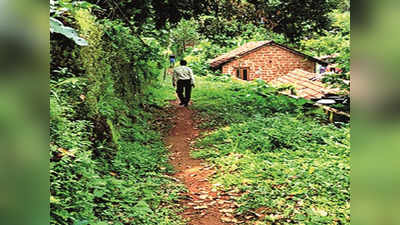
(264,59)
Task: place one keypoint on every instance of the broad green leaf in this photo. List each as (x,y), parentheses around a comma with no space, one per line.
(57,26)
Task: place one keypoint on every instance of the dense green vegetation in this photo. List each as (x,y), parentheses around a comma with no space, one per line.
(108,92)
(221,103)
(286,163)
(107,160)
(113,174)
(334,41)
(116,175)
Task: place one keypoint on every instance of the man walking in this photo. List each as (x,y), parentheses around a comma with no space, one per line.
(183,79)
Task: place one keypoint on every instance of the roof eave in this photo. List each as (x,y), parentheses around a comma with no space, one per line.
(302,54)
(268,43)
(240,55)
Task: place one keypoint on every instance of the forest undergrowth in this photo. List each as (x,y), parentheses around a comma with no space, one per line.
(287,163)
(121,181)
(107,159)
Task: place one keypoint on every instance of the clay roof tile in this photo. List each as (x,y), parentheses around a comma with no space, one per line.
(304,86)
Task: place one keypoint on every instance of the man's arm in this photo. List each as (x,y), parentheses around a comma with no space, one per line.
(192,81)
(174,78)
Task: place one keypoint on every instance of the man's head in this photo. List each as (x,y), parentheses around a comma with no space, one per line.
(183,62)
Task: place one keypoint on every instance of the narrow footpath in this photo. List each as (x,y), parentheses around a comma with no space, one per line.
(203,204)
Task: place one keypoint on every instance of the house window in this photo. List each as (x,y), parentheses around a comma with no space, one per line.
(242,73)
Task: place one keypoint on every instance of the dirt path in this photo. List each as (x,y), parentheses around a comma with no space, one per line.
(203,204)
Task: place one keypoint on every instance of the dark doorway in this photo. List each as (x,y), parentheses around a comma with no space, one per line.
(242,73)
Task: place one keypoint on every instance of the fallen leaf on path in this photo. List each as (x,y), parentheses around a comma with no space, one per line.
(203,197)
(201,207)
(227,210)
(228,220)
(192,170)
(256,214)
(237,204)
(212,203)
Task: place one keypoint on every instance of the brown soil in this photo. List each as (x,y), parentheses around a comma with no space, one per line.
(203,204)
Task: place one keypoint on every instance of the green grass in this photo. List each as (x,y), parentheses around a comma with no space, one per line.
(289,164)
(161,91)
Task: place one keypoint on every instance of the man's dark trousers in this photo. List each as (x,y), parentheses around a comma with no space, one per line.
(184,85)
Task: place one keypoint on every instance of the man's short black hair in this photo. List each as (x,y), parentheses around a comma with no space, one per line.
(183,62)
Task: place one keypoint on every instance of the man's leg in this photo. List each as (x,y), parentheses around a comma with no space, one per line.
(179,91)
(188,91)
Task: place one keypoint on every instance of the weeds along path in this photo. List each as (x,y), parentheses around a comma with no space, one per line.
(203,204)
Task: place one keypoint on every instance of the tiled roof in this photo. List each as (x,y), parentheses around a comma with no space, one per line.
(249,47)
(305,84)
(237,52)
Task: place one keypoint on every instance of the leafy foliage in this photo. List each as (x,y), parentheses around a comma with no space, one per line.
(231,101)
(287,166)
(336,41)
(107,161)
(296,169)
(295,19)
(94,180)
(184,33)
(225,18)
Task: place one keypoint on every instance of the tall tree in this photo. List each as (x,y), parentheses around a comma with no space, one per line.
(295,19)
(184,33)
